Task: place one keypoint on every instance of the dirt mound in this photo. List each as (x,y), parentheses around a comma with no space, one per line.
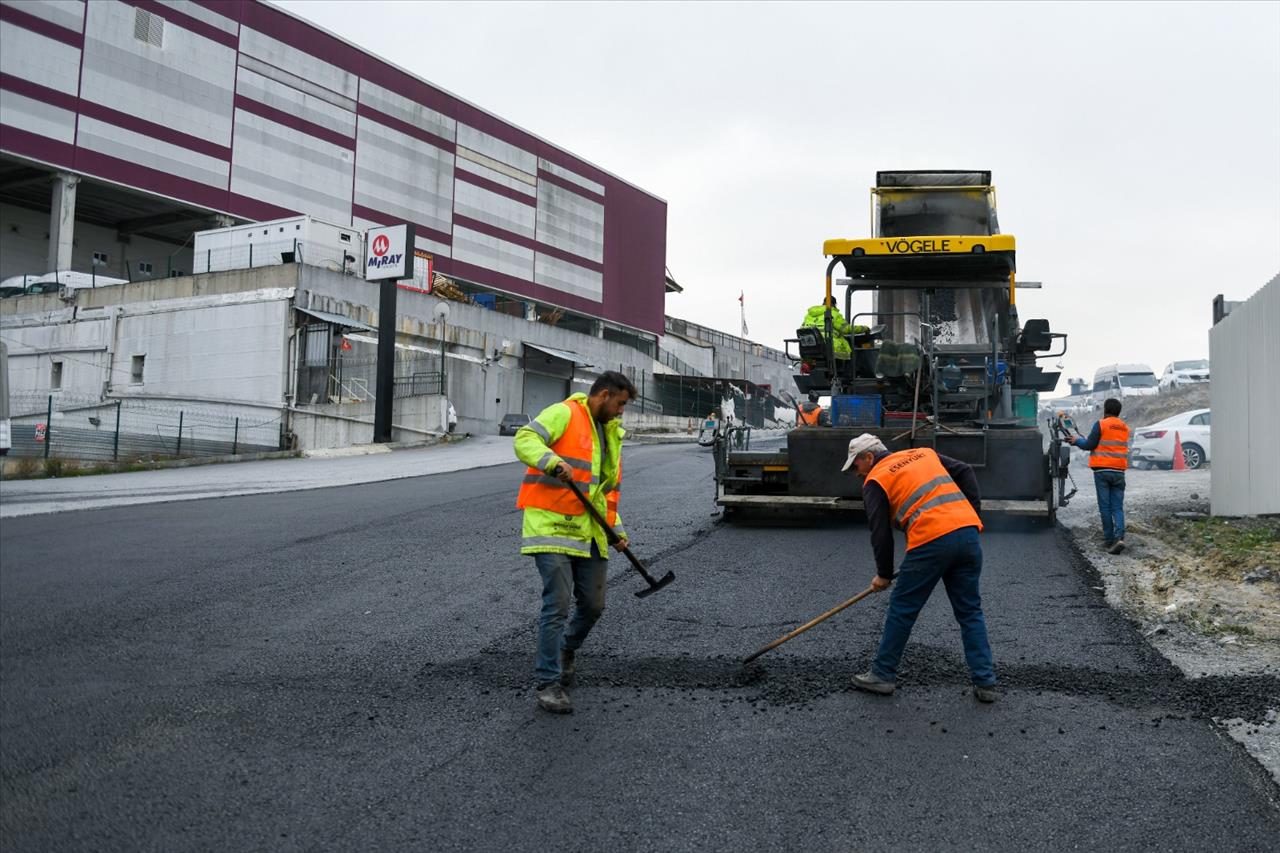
(1144,411)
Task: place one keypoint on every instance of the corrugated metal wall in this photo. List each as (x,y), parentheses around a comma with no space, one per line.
(1244,351)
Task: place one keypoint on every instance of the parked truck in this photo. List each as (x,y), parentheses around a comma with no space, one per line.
(941,360)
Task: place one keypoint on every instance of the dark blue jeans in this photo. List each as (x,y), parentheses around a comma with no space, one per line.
(956,560)
(1110,486)
(562,574)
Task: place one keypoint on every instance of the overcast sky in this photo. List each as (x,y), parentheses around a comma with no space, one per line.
(1135,147)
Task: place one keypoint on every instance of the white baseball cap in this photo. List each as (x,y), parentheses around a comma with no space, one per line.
(860,445)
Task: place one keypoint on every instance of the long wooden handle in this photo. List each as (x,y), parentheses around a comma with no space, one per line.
(806,626)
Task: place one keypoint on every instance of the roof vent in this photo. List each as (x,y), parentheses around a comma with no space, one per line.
(148,27)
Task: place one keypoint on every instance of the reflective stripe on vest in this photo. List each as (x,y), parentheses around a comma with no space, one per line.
(541,490)
(1113,446)
(924,500)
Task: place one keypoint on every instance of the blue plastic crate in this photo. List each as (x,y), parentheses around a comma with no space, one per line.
(855,410)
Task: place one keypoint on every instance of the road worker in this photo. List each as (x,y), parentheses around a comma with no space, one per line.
(935,500)
(810,413)
(578,440)
(1108,446)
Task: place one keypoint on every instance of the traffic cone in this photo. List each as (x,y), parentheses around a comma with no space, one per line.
(1179,464)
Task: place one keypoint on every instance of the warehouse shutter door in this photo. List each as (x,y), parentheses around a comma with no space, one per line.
(541,391)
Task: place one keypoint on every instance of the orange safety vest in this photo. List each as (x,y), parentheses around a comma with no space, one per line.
(810,413)
(1113,447)
(923,498)
(543,491)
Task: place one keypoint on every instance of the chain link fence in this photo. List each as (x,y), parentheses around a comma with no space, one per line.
(90,429)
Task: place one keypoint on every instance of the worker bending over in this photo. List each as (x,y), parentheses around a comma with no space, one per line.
(935,499)
(578,440)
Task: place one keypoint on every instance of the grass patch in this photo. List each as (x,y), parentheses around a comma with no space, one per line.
(1226,547)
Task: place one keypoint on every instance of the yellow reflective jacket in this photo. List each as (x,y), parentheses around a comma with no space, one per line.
(817,318)
(546,532)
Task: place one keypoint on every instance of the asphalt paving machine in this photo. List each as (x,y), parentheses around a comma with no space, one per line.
(941,360)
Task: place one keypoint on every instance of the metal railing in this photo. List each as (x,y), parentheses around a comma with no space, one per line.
(86,428)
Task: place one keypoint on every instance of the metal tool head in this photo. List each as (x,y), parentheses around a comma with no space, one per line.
(657,585)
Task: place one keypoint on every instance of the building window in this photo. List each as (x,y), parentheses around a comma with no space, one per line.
(99,259)
(177,273)
(55,376)
(139,365)
(148,27)
(144,267)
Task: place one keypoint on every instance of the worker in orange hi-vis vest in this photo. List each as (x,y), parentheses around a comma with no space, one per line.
(935,500)
(1108,446)
(810,413)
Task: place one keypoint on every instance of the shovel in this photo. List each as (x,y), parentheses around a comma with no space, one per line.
(654,585)
(806,626)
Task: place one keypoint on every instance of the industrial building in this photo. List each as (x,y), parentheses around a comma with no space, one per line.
(128,127)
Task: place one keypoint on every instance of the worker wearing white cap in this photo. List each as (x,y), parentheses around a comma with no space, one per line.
(935,500)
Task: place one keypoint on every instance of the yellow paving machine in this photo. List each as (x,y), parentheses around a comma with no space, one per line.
(940,360)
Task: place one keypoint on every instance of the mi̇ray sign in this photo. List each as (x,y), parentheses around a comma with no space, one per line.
(387,253)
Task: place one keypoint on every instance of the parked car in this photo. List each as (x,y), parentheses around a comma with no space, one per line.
(1153,445)
(512,422)
(7,291)
(1179,373)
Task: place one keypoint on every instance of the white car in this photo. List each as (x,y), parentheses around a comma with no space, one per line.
(1152,446)
(1179,373)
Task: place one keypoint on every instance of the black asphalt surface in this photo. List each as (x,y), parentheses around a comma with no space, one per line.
(351,668)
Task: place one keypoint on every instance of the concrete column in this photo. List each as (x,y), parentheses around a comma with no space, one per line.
(62,221)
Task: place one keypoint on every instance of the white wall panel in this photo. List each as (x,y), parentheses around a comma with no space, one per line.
(572,177)
(568,278)
(410,112)
(524,184)
(294,61)
(472,247)
(202,13)
(293,81)
(292,169)
(403,176)
(96,135)
(64,13)
(38,58)
(491,146)
(570,222)
(308,107)
(37,117)
(493,209)
(1245,399)
(426,244)
(187,84)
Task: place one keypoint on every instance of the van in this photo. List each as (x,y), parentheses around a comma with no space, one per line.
(1123,380)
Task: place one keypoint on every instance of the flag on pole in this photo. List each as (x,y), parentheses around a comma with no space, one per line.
(742,306)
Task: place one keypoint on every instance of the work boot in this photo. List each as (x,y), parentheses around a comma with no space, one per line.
(985,693)
(1116,547)
(567,668)
(873,683)
(551,697)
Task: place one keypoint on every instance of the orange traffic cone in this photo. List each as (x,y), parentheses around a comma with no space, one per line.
(1179,464)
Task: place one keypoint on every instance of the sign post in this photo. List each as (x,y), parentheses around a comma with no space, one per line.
(388,258)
